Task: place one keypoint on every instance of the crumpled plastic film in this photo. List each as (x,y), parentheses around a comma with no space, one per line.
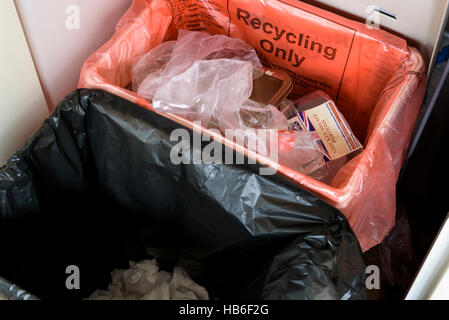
(171,59)
(258,123)
(375,79)
(299,151)
(254,115)
(192,46)
(150,66)
(296,150)
(208,87)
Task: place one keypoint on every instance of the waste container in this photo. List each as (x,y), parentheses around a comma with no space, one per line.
(377,81)
(95,188)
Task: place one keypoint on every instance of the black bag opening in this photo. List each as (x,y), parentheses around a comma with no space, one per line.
(95,187)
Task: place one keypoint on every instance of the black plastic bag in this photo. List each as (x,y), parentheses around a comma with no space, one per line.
(95,187)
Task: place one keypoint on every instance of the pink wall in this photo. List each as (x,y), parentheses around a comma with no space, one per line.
(59,51)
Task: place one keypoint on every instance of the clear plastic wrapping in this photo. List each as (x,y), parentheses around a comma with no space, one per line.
(255,115)
(210,79)
(171,59)
(149,67)
(208,88)
(299,150)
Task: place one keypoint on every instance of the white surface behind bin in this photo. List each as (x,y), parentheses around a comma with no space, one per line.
(22,104)
(59,44)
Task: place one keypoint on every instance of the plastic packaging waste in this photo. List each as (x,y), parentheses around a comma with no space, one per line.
(170,60)
(299,150)
(376,79)
(256,115)
(209,87)
(317,113)
(216,91)
(272,87)
(150,66)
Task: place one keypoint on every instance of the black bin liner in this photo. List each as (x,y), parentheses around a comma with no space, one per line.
(94,187)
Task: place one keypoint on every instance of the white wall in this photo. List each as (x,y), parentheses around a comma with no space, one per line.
(22,104)
(59,51)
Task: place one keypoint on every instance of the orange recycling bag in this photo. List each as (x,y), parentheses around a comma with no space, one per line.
(376,80)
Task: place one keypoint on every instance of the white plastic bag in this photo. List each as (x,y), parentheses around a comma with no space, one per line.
(209,78)
(255,115)
(209,87)
(300,151)
(170,60)
(150,66)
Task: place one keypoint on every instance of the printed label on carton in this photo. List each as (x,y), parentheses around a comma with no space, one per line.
(336,137)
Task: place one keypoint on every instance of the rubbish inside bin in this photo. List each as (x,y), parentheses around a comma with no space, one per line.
(208,89)
(144,281)
(217,92)
(153,69)
(258,116)
(300,151)
(95,188)
(171,59)
(317,113)
(375,79)
(205,77)
(271,88)
(149,68)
